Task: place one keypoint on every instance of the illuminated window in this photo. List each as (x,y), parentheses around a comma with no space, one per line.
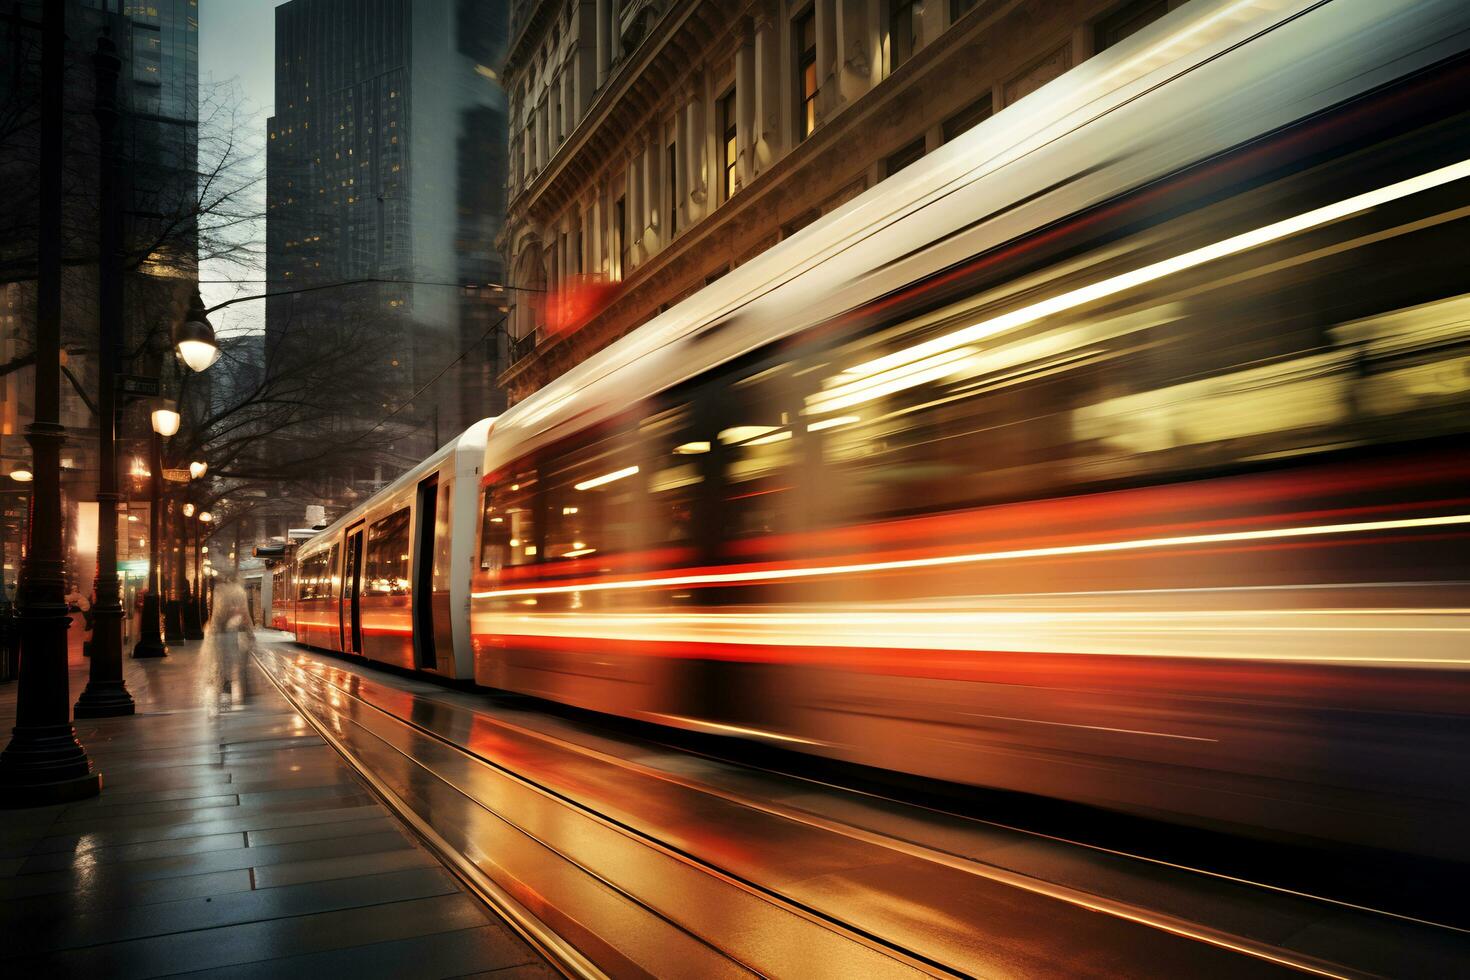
(387,556)
(805,33)
(730,155)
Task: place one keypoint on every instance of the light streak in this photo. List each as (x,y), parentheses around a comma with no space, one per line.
(832,423)
(606,478)
(890,373)
(740,433)
(940,561)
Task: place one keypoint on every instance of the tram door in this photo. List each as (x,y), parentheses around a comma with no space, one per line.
(351,611)
(423,574)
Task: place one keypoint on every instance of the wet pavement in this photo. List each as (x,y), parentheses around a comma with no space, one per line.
(229,840)
(645,859)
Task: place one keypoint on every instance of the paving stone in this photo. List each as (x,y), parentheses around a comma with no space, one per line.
(229,840)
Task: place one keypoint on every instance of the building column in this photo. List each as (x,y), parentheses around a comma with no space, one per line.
(931,23)
(597,218)
(695,150)
(633,187)
(615,33)
(604,48)
(827,57)
(569,97)
(855,20)
(745,107)
(681,164)
(586,55)
(542,138)
(770,84)
(652,239)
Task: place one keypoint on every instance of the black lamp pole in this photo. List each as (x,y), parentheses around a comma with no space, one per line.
(150,642)
(106,693)
(173,607)
(44,763)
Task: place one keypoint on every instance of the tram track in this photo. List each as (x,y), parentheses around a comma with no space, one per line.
(622,857)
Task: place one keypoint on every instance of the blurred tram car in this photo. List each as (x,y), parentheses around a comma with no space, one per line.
(1115,451)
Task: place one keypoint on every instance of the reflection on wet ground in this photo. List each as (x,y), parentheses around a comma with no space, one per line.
(647,859)
(229,839)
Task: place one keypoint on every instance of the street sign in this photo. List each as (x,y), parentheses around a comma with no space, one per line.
(138,385)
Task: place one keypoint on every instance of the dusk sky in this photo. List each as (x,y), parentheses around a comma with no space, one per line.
(236,42)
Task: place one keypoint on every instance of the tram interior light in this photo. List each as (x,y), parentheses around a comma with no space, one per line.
(606,478)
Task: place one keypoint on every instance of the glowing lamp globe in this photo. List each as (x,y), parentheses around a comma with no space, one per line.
(194,338)
(165,421)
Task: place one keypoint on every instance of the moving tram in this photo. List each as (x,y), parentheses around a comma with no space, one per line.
(1115,451)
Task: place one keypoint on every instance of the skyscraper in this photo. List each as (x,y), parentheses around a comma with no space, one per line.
(386,162)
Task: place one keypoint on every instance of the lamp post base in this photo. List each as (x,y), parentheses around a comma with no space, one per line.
(104,701)
(44,765)
(193,628)
(150,643)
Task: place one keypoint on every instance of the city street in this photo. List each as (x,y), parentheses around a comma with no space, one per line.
(235,841)
(809,489)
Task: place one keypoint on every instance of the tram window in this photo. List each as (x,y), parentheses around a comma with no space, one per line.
(756,441)
(330,579)
(508,532)
(591,494)
(387,555)
(313,575)
(673,452)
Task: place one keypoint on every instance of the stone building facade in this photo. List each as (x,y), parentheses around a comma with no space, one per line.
(657,144)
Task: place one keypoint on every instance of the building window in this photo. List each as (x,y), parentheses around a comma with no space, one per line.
(620,232)
(967,118)
(731,154)
(1127,21)
(561,128)
(805,32)
(909,154)
(673,185)
(958,8)
(903,31)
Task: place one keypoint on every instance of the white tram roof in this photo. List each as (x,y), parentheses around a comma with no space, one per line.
(470,443)
(1171,95)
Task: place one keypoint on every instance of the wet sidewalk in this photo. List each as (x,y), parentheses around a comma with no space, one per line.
(231,841)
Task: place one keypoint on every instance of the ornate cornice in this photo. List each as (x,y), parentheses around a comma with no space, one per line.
(641,85)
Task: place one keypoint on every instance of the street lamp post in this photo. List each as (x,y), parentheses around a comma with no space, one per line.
(205,517)
(106,693)
(193,628)
(44,763)
(173,606)
(150,643)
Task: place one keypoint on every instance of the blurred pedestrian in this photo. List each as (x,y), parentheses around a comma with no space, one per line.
(230,612)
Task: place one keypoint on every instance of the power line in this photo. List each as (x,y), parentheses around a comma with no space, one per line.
(351,282)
